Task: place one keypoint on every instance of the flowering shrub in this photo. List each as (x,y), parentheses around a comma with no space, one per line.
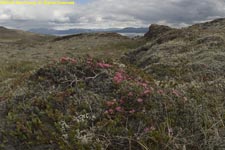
(93,104)
(119,77)
(67,59)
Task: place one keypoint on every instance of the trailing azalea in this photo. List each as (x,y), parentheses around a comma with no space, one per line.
(92,101)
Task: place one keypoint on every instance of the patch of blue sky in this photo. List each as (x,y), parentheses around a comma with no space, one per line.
(82,1)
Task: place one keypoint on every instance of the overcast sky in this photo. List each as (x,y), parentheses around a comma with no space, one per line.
(111,13)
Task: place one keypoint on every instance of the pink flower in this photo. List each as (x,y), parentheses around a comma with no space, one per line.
(121,101)
(132,111)
(119,109)
(89,62)
(146,92)
(89,58)
(160,92)
(73,60)
(64,59)
(145,85)
(118,78)
(106,112)
(111,111)
(103,65)
(110,103)
(176,93)
(130,94)
(146,129)
(185,99)
(152,128)
(140,100)
(170,131)
(67,59)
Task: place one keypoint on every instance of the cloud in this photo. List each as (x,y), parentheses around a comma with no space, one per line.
(112,13)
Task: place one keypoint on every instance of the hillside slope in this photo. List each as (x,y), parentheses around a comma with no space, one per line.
(196,45)
(193,60)
(189,55)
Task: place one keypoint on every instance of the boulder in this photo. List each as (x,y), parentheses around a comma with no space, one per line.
(156,30)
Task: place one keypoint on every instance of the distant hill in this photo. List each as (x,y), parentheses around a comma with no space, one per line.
(78,31)
(132,30)
(12,35)
(60,32)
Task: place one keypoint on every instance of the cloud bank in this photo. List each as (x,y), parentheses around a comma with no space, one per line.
(112,13)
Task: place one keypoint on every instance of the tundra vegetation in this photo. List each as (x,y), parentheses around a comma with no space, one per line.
(167,93)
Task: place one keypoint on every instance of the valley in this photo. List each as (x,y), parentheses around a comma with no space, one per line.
(165,90)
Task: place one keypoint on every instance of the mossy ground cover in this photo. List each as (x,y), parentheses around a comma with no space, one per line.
(87,103)
(175,102)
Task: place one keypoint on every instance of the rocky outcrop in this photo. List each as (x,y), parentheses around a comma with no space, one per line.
(156,30)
